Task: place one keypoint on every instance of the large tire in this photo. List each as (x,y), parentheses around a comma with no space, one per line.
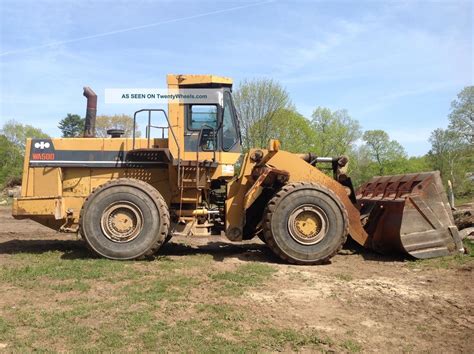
(124,219)
(305,223)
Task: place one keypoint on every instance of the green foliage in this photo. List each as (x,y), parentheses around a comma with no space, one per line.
(417,164)
(461,118)
(11,158)
(257,102)
(334,132)
(329,133)
(72,126)
(448,155)
(381,156)
(265,112)
(361,168)
(452,149)
(13,137)
(17,133)
(387,155)
(291,128)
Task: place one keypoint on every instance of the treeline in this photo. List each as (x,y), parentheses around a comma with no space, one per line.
(266,111)
(73,125)
(13,137)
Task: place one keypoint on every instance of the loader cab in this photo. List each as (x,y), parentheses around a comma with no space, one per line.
(212,127)
(206,131)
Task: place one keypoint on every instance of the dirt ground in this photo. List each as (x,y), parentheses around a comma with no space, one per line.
(361,300)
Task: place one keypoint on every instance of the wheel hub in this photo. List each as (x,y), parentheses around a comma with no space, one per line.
(307,224)
(122,221)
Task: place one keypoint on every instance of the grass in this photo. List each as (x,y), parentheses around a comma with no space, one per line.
(470,247)
(245,276)
(448,262)
(170,304)
(29,269)
(352,346)
(179,304)
(463,200)
(344,277)
(4,327)
(74,285)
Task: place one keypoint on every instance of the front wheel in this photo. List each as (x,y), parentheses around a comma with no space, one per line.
(305,223)
(124,219)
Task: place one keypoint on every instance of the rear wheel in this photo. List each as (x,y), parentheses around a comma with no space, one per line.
(305,223)
(124,219)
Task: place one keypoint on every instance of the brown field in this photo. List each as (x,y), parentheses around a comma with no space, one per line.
(206,295)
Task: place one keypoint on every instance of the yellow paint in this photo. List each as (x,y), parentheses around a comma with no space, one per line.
(274,145)
(190,79)
(50,182)
(45,206)
(301,171)
(236,190)
(308,224)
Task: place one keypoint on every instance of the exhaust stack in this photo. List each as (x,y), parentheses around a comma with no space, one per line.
(91,112)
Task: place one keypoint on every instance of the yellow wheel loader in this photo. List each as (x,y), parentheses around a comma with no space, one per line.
(128,196)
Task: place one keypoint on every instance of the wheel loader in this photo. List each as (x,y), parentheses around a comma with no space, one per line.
(127,196)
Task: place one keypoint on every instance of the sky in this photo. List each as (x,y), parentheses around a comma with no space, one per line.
(394,65)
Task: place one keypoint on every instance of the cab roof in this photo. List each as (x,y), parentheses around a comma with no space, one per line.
(193,80)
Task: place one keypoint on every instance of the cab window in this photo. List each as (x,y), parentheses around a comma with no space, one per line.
(229,129)
(202,115)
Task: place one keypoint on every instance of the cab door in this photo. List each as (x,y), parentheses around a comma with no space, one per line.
(199,118)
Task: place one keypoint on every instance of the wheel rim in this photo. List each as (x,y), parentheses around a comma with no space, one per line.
(307,224)
(122,221)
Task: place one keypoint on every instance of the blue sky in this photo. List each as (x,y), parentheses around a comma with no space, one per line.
(394,65)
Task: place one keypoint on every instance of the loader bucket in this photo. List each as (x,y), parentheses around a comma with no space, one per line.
(408,214)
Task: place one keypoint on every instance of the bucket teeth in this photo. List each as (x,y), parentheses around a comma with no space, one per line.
(410,214)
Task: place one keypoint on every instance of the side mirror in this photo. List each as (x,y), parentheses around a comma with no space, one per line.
(207,139)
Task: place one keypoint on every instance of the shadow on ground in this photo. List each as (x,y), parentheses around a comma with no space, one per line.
(352,247)
(250,252)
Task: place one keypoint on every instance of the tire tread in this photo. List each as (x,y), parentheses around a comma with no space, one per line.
(148,189)
(273,204)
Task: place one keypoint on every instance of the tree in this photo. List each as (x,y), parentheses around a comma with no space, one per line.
(12,161)
(387,154)
(447,155)
(452,149)
(72,126)
(291,128)
(461,118)
(417,164)
(17,133)
(335,132)
(13,137)
(258,100)
(122,121)
(361,166)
